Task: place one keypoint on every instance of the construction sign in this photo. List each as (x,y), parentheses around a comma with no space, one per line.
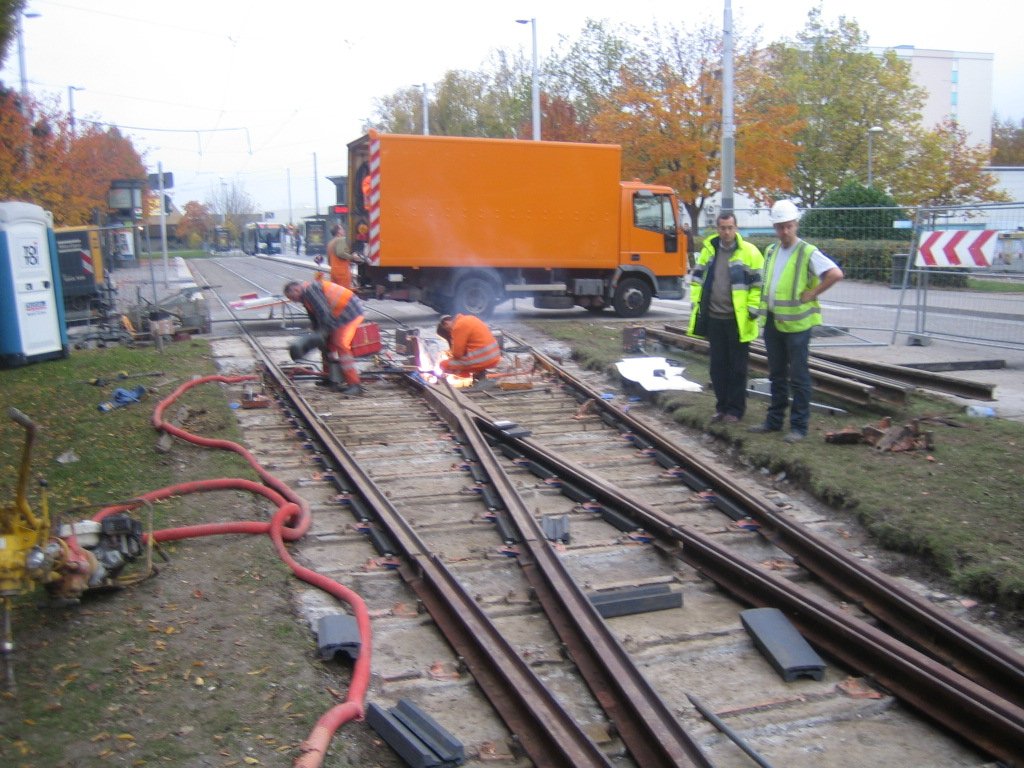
(968,248)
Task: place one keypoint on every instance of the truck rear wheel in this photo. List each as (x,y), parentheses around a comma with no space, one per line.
(474,296)
(632,297)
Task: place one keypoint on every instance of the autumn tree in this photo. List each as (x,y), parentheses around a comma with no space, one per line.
(232,206)
(942,169)
(587,70)
(42,162)
(559,121)
(487,103)
(9,10)
(1007,142)
(841,90)
(197,223)
(667,116)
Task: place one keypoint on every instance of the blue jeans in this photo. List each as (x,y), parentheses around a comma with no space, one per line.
(788,373)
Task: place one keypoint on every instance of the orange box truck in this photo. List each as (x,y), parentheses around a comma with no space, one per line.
(462,224)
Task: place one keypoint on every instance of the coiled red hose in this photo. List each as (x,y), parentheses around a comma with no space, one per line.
(290,522)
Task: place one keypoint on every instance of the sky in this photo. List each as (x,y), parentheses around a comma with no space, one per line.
(267,95)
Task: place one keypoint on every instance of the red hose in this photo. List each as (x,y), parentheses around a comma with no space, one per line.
(290,522)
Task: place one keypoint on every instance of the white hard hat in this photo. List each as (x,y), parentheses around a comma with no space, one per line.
(783,211)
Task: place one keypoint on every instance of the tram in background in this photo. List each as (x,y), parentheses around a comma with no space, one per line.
(221,239)
(262,237)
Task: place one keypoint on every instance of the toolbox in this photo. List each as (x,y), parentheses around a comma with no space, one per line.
(367,340)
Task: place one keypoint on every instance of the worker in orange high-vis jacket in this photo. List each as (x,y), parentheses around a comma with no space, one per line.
(339,259)
(474,349)
(335,312)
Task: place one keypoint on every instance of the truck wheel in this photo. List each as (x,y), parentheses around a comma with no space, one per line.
(474,296)
(632,297)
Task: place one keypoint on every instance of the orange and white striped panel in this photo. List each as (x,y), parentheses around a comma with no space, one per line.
(373,203)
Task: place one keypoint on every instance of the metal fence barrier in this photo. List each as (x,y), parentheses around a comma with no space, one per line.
(959,270)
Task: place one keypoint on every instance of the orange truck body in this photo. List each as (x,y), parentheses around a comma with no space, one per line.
(462,224)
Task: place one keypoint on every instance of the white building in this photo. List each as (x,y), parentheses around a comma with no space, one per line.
(958,84)
(1011,180)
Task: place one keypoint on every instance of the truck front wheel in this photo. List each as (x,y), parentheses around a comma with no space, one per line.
(474,296)
(632,297)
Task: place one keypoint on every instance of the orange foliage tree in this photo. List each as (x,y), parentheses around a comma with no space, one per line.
(667,116)
(197,222)
(559,121)
(42,162)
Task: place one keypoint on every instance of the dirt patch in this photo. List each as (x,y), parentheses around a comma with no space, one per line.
(204,664)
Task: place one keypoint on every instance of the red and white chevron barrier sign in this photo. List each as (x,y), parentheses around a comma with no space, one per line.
(970,248)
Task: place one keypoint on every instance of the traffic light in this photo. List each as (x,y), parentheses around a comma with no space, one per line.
(339,210)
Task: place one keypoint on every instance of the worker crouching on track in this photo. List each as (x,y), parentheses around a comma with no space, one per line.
(336,313)
(474,350)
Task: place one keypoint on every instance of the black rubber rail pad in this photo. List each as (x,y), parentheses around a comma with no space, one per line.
(414,735)
(630,600)
(556,528)
(784,647)
(443,743)
(338,633)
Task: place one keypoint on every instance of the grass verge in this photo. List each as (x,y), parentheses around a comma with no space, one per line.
(203,664)
(957,508)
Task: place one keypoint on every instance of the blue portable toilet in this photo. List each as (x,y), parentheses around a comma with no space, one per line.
(32,325)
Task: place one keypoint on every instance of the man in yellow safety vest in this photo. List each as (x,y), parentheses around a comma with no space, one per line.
(796,273)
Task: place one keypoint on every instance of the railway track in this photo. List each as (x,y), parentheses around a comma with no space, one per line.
(482,521)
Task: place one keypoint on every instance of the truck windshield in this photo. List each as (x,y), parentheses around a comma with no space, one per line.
(654,212)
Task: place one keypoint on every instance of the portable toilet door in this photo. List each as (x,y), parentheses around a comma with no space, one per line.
(32,325)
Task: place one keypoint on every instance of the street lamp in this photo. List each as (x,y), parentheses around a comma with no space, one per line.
(536,84)
(871,135)
(71,105)
(426,113)
(21,57)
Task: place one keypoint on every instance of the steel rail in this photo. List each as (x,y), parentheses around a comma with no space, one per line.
(936,382)
(544,729)
(986,719)
(650,731)
(844,382)
(974,654)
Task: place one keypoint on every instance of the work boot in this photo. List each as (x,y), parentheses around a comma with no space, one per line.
(303,345)
(353,390)
(335,379)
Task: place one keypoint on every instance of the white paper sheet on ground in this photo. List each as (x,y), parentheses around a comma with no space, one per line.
(655,374)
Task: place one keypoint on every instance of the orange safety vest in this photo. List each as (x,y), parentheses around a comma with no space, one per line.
(473,347)
(341,268)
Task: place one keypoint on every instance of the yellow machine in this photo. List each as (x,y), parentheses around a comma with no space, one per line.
(82,556)
(23,540)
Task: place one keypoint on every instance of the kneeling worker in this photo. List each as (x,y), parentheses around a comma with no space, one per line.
(336,313)
(473,347)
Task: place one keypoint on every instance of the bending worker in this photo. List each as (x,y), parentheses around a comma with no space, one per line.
(335,312)
(473,347)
